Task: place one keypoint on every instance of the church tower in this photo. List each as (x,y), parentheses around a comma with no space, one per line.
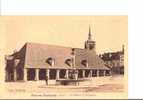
(90,43)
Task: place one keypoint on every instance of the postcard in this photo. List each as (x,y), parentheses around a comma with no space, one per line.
(70,57)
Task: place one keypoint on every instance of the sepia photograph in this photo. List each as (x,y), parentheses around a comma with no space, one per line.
(68,56)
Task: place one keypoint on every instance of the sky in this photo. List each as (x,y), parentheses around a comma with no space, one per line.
(109,32)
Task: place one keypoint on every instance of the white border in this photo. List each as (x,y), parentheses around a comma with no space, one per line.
(64,7)
(94,7)
(135,25)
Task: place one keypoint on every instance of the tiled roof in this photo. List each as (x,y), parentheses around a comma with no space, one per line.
(93,60)
(36,55)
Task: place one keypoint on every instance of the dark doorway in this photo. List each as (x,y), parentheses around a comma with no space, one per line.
(42,74)
(94,73)
(52,74)
(80,73)
(87,72)
(10,75)
(31,74)
(62,73)
(19,73)
(107,72)
(101,72)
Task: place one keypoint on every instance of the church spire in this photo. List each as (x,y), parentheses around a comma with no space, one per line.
(89,34)
(123,48)
(90,44)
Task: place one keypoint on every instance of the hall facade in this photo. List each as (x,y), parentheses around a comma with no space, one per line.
(36,61)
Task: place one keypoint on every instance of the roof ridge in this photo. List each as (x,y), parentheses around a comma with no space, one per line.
(27,43)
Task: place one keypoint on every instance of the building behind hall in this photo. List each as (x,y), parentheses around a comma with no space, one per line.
(115,61)
(36,61)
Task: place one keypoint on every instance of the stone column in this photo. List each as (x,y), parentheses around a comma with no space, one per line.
(110,72)
(90,73)
(15,74)
(47,76)
(97,73)
(6,76)
(58,74)
(25,74)
(37,75)
(47,73)
(104,73)
(67,74)
(83,73)
(76,75)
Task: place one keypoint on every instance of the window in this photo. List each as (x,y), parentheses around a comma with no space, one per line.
(50,61)
(85,63)
(68,62)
